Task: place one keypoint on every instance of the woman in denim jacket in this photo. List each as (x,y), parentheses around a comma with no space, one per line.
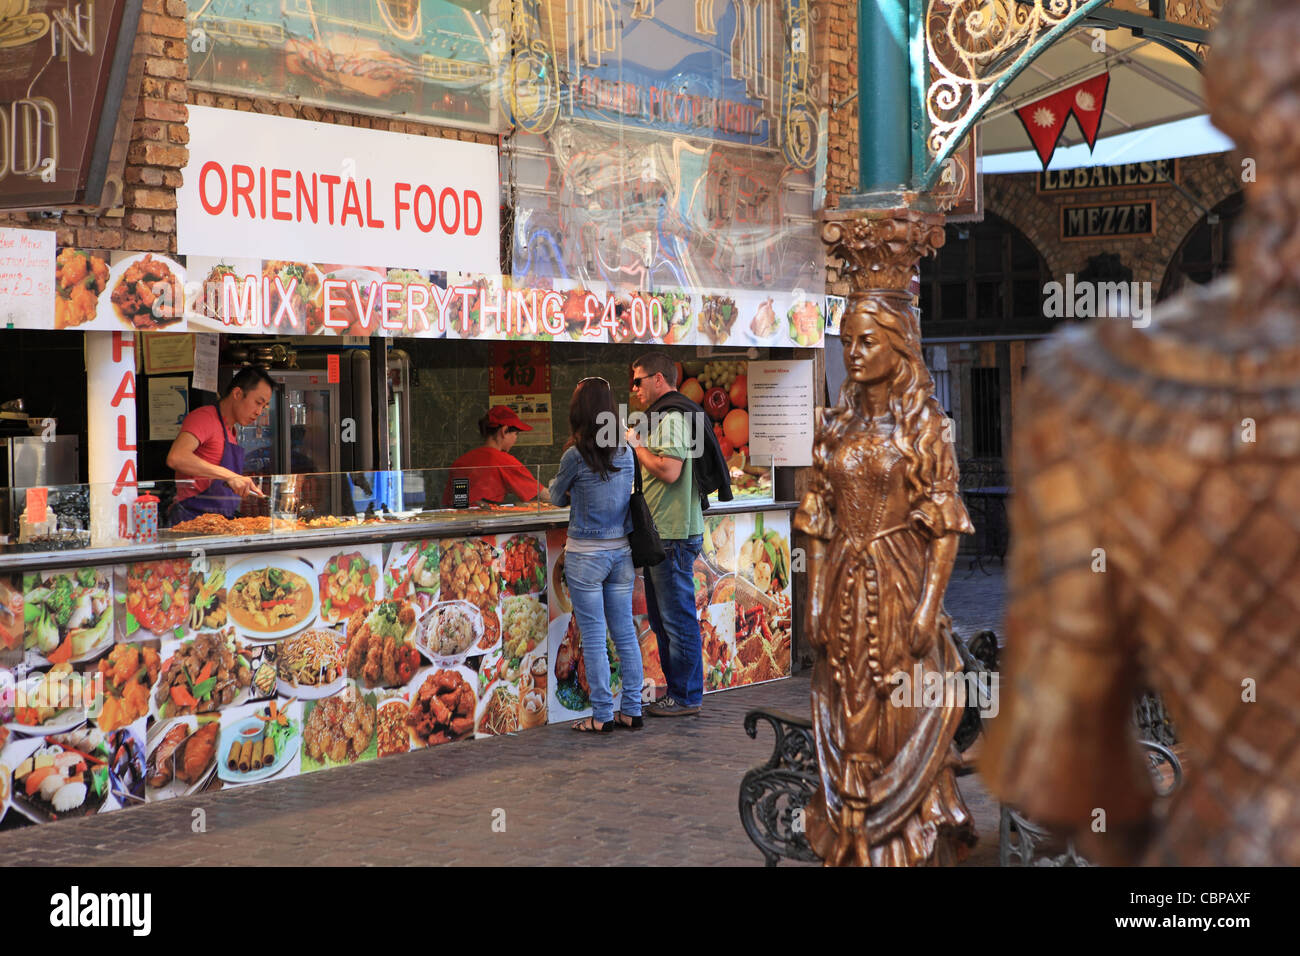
(595,479)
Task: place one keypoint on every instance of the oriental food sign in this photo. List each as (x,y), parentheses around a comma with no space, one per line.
(63,80)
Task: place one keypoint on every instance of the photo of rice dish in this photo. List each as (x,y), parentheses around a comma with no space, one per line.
(451,629)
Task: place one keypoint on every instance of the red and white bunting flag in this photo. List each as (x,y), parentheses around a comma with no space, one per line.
(1044,120)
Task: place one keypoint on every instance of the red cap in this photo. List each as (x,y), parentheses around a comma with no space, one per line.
(503,415)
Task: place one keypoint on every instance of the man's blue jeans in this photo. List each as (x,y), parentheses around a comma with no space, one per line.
(670,601)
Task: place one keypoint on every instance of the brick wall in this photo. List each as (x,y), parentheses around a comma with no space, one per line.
(1014,197)
(837,39)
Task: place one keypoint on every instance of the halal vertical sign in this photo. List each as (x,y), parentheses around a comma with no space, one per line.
(65,75)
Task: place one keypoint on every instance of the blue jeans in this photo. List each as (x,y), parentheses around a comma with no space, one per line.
(600,585)
(670,600)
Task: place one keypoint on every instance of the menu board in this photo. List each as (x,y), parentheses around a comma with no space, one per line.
(150,680)
(781,411)
(26,278)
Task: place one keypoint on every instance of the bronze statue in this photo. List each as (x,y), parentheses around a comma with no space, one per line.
(883,515)
(1156,528)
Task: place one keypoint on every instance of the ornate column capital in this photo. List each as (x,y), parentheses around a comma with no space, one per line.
(880,248)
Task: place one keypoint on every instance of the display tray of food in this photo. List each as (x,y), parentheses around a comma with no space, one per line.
(241,536)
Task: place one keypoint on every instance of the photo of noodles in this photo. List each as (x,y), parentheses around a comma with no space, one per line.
(499,713)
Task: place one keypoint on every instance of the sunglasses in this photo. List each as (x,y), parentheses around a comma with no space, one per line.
(636,382)
(594,378)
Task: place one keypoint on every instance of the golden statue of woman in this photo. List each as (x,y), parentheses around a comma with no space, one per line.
(883,516)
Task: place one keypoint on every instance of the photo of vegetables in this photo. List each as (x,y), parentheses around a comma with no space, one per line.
(11,619)
(347,584)
(208,597)
(67,615)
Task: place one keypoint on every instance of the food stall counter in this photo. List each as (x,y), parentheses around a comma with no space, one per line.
(138,672)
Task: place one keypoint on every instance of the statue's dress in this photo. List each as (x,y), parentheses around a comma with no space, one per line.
(1156,542)
(892,762)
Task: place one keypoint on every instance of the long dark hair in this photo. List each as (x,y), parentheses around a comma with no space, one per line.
(592,407)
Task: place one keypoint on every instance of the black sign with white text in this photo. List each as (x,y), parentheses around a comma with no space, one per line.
(1119,219)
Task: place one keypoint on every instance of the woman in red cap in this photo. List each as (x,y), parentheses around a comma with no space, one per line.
(492,471)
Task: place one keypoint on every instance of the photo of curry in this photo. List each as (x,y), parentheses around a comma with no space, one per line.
(270,600)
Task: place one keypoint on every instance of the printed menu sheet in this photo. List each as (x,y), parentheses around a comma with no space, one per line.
(781,411)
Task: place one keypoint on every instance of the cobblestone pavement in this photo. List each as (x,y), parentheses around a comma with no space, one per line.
(976,599)
(664,796)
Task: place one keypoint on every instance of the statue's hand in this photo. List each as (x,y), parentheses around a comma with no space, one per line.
(924,623)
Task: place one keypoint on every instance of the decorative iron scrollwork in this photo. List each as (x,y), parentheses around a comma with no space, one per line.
(773,796)
(1021,838)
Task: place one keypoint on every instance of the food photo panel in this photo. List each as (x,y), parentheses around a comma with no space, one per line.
(70,774)
(442,703)
(653,684)
(144,291)
(260,741)
(340,730)
(11,620)
(568,691)
(68,615)
(181,756)
(168,599)
(762,597)
(411,571)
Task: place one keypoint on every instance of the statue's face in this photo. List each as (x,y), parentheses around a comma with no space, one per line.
(867,355)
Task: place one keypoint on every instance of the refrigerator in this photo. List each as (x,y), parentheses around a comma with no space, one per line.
(33,461)
(314,427)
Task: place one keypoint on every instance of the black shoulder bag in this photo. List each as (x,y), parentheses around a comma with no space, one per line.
(647,549)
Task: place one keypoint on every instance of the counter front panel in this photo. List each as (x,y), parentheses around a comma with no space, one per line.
(191,668)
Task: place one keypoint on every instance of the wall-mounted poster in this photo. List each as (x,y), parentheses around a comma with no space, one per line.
(430,60)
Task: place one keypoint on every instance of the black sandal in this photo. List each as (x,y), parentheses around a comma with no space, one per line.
(633,723)
(587,725)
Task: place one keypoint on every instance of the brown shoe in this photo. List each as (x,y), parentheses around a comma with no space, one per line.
(668,707)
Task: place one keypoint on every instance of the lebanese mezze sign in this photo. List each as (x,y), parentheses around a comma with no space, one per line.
(262,186)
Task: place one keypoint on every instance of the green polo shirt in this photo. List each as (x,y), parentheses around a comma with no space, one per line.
(676,506)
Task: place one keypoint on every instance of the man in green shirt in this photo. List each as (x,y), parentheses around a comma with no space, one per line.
(667,457)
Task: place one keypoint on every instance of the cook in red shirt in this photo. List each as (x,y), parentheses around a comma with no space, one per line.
(208,462)
(493,473)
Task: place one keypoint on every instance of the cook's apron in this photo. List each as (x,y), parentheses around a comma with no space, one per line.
(219,498)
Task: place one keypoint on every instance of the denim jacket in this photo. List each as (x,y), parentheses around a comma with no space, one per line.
(599,507)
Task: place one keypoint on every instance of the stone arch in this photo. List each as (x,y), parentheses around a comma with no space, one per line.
(1039,230)
(1221,183)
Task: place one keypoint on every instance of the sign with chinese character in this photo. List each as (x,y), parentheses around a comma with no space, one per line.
(521,380)
(520,367)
